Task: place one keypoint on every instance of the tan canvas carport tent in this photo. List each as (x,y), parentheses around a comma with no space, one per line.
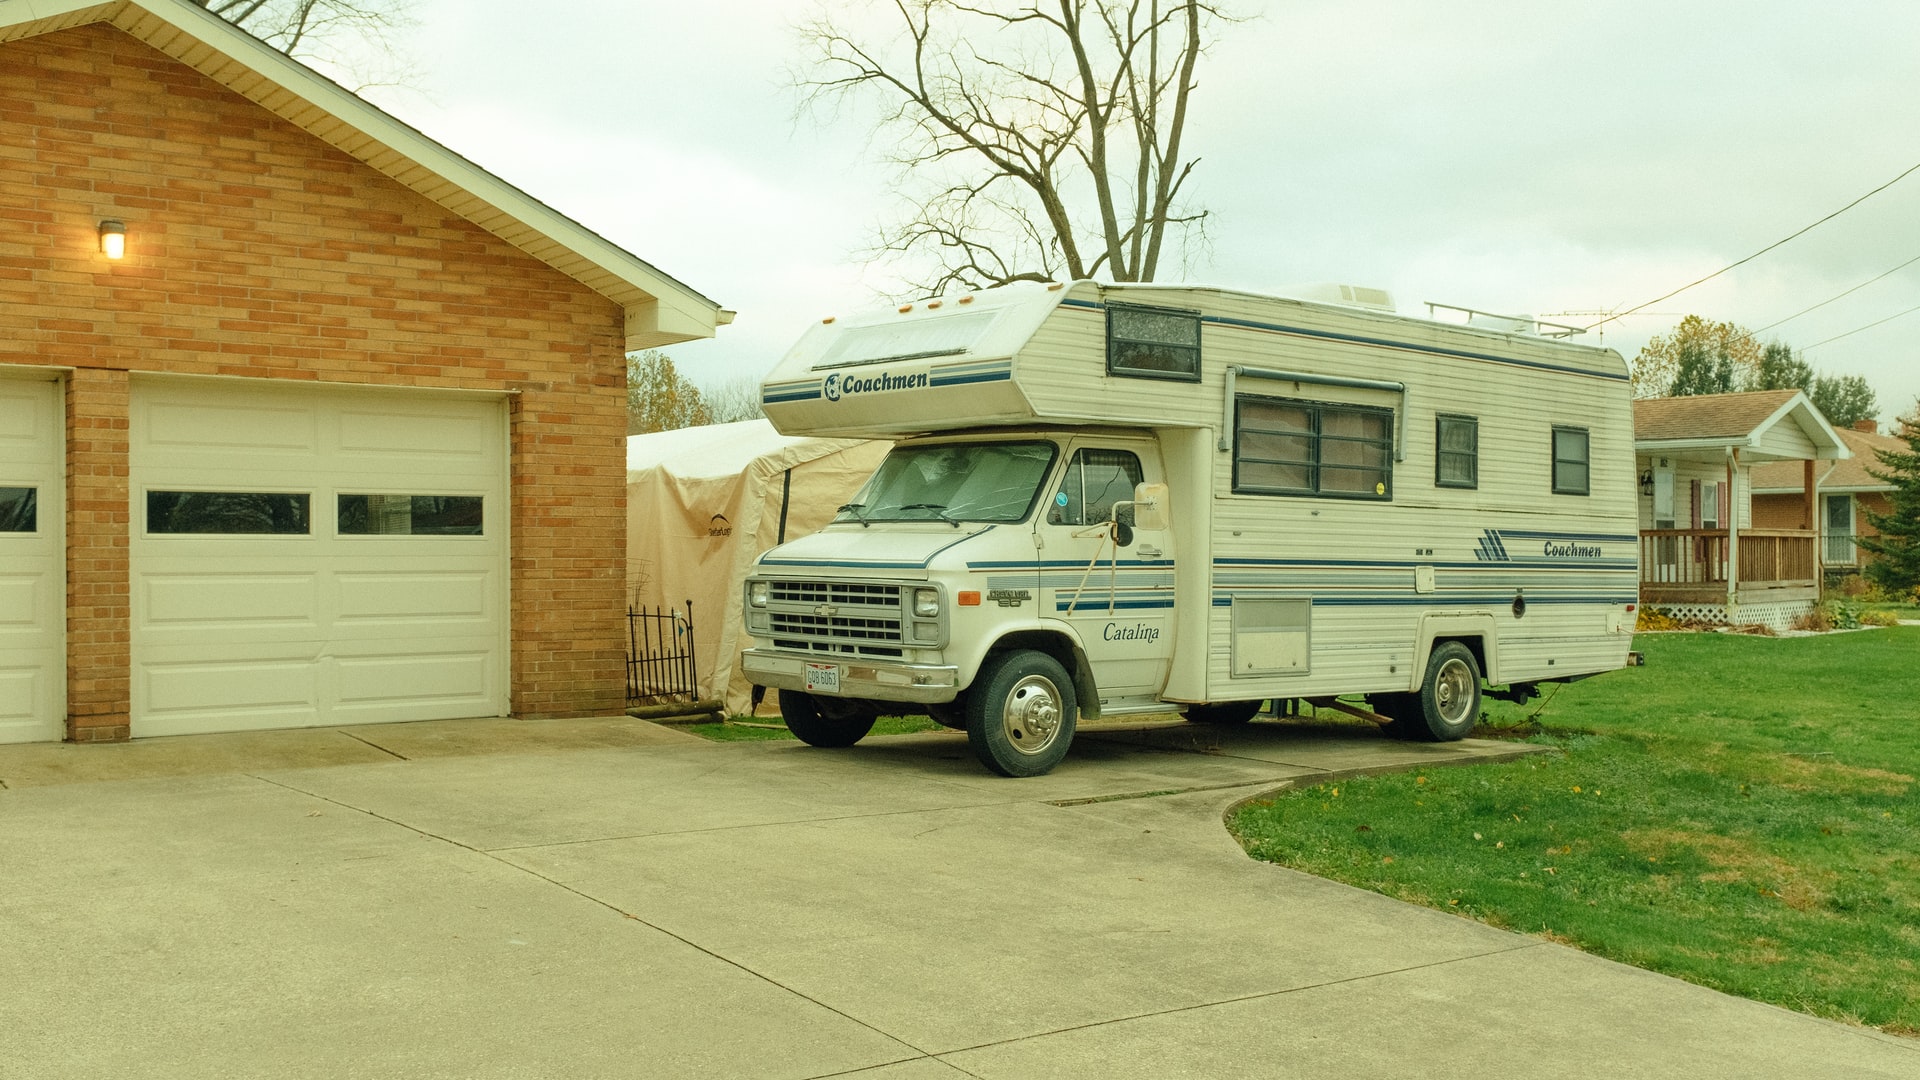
(703,503)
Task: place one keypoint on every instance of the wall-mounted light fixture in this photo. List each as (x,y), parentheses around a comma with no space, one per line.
(113,238)
(1646,481)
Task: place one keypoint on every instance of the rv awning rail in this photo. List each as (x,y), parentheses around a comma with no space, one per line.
(1235,373)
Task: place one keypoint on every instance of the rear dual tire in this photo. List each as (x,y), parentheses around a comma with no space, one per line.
(1447,704)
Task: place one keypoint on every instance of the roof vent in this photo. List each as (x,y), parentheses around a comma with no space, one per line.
(1328,292)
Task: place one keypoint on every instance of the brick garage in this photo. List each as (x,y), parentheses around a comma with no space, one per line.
(284,236)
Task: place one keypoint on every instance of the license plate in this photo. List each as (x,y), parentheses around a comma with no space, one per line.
(824,678)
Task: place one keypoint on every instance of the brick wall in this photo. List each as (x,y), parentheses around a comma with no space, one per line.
(255,250)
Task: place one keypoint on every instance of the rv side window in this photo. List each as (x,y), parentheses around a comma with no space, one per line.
(1095,480)
(1153,343)
(1570,472)
(1456,451)
(1283,447)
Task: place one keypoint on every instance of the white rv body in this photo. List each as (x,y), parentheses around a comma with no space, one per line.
(1317,540)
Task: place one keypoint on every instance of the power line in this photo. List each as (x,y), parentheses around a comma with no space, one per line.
(1915,168)
(1831,299)
(1857,329)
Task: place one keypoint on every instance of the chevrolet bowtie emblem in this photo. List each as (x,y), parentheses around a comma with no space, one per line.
(825,611)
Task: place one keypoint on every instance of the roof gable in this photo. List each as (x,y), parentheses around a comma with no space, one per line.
(1841,476)
(659,310)
(1763,424)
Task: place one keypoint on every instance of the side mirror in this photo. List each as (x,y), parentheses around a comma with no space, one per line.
(1150,507)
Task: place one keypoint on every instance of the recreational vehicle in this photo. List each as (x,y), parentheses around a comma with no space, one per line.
(1118,499)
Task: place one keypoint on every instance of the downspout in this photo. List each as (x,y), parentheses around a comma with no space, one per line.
(1733,532)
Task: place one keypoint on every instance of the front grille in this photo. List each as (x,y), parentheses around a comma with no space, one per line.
(837,618)
(836,593)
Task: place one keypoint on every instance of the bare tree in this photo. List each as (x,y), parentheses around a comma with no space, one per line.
(339,33)
(1035,140)
(734,400)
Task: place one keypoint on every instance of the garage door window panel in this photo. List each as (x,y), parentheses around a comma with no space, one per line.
(19,510)
(229,513)
(410,515)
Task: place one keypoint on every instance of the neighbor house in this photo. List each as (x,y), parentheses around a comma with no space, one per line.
(1704,553)
(304,418)
(1844,493)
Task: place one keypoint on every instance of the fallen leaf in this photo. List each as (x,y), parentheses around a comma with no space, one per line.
(1476,836)
(1499,843)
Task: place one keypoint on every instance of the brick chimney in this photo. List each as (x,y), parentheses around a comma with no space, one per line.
(1871,427)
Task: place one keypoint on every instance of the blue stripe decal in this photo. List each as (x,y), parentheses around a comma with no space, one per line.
(1541,563)
(1434,600)
(1073,564)
(1623,538)
(1088,606)
(921,565)
(961,380)
(846,563)
(772,398)
(1327,335)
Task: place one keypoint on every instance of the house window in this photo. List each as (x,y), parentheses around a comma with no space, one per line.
(1456,457)
(1095,480)
(19,512)
(1570,461)
(1153,343)
(1284,447)
(1710,505)
(408,515)
(233,513)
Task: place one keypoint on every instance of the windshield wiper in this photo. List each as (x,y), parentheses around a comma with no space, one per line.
(938,508)
(854,509)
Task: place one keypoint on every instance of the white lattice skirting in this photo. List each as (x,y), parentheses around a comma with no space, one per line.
(1776,616)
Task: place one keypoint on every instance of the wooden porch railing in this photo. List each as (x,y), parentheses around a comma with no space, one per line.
(1691,563)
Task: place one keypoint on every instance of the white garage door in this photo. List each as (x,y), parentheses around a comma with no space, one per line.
(33,575)
(304,556)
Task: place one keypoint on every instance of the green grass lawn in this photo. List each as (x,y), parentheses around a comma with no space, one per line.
(758,728)
(1740,813)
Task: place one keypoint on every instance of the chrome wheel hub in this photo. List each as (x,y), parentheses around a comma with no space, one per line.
(1031,714)
(1453,691)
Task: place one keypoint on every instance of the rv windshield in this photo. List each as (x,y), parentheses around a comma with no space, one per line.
(984,481)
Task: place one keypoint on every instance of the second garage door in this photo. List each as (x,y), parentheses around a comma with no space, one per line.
(303,556)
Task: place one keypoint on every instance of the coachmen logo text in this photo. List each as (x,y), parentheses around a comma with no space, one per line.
(838,386)
(1570,550)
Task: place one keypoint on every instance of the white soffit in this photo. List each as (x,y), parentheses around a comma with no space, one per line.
(659,309)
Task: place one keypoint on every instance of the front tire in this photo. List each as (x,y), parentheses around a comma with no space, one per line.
(1021,713)
(1449,698)
(817,722)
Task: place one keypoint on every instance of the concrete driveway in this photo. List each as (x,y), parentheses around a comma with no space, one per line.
(611,899)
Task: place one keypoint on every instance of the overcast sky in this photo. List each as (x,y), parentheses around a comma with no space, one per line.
(1538,158)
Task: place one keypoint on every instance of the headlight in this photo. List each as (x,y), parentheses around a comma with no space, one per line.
(926,603)
(757,593)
